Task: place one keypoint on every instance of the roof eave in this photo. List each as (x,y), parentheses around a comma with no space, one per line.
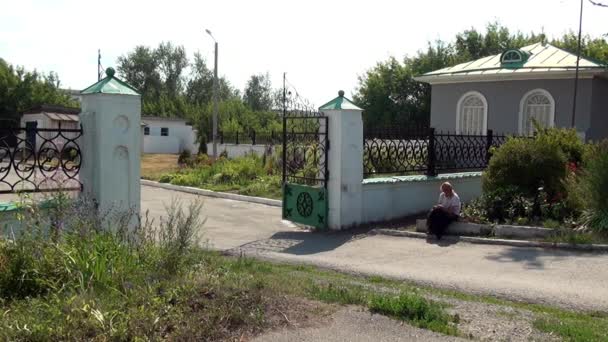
(462,78)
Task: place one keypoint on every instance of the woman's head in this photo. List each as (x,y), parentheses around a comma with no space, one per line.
(447,189)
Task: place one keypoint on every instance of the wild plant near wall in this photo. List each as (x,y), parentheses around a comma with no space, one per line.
(70,247)
(592,187)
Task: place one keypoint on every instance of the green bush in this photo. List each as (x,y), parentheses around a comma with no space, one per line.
(526,165)
(565,140)
(166,178)
(592,187)
(185,157)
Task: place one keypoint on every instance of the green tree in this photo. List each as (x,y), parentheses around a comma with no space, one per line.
(140,68)
(21,90)
(258,93)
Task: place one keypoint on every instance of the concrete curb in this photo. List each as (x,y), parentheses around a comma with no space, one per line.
(502,242)
(216,194)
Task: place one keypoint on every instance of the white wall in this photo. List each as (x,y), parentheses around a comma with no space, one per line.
(388,198)
(235,150)
(158,144)
(181,137)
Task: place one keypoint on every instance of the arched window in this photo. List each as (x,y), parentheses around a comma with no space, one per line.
(537,105)
(472,114)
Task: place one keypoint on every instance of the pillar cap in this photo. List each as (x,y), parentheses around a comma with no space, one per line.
(340,103)
(110,85)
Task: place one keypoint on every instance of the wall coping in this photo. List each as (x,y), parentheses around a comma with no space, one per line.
(421,178)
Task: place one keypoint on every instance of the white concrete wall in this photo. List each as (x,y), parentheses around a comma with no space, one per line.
(239,150)
(388,201)
(181,137)
(165,145)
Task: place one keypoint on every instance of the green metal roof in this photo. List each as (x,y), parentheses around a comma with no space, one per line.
(339,102)
(110,85)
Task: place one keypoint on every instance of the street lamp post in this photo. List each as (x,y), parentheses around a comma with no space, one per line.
(215,98)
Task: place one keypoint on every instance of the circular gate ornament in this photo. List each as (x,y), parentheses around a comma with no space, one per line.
(304,204)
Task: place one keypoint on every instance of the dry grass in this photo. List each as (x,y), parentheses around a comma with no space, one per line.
(155,165)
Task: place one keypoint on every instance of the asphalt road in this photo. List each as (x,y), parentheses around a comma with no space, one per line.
(573,280)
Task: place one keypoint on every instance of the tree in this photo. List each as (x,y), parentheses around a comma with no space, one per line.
(139,68)
(21,90)
(258,93)
(171,61)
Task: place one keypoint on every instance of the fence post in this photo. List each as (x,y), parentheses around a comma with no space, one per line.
(431,171)
(111,123)
(237,137)
(253,137)
(345,161)
(489,141)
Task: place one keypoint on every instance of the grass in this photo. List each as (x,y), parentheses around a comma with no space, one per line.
(91,280)
(249,175)
(155,165)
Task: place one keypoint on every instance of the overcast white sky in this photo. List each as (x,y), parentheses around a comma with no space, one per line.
(322,45)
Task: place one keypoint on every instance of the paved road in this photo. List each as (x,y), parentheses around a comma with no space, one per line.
(574,280)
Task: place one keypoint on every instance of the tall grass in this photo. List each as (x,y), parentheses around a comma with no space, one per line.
(71,247)
(248,175)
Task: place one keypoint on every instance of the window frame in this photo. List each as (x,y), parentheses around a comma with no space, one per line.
(146,130)
(522,108)
(164,131)
(459,105)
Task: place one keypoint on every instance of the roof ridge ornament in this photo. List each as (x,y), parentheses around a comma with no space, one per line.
(110,72)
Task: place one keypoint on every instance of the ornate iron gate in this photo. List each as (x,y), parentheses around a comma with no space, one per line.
(305,167)
(39,159)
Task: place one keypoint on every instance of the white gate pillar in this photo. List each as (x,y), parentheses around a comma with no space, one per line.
(111,119)
(345,162)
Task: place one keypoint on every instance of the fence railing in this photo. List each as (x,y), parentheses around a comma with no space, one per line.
(39,160)
(251,138)
(423,150)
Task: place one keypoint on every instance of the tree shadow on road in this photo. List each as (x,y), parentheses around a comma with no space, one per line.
(535,258)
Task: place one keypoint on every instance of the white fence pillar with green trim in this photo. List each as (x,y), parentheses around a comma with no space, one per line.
(111,119)
(345,158)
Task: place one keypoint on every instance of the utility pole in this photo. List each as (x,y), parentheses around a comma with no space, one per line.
(284,150)
(99,68)
(215,98)
(578,59)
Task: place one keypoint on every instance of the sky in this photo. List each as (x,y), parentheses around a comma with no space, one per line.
(323,46)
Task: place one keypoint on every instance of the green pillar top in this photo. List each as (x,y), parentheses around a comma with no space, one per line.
(110,85)
(340,103)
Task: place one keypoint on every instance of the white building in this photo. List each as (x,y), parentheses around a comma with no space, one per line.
(50,117)
(168,135)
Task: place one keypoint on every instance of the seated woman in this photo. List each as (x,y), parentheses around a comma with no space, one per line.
(445,212)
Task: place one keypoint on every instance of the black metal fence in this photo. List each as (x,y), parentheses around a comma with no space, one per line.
(423,150)
(251,138)
(39,160)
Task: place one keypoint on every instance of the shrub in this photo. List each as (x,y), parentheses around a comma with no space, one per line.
(166,178)
(565,140)
(526,165)
(185,158)
(592,186)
